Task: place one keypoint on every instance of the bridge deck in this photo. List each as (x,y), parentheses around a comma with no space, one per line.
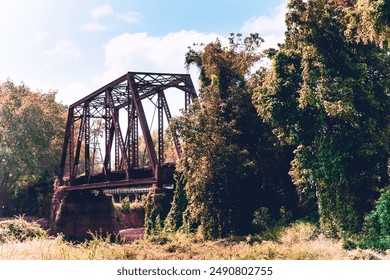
(112,185)
(140,177)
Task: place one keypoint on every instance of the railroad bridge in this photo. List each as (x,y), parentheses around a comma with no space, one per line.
(104,132)
(97,116)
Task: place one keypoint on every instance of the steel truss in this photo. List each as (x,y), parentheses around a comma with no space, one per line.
(104,107)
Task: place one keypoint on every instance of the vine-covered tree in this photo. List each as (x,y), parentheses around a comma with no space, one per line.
(231,165)
(31,134)
(328,94)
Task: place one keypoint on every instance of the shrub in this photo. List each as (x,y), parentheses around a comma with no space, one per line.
(376,229)
(137,206)
(262,219)
(125,205)
(174,219)
(154,211)
(299,232)
(20,230)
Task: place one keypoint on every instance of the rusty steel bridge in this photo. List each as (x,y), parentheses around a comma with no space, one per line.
(111,116)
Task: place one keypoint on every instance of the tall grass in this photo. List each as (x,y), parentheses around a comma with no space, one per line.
(300,241)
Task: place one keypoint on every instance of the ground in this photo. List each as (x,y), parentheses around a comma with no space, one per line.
(131,224)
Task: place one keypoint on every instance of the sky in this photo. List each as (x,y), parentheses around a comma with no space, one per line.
(75,47)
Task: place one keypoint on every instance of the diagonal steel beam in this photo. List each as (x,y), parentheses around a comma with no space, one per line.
(169,117)
(65,145)
(143,123)
(118,134)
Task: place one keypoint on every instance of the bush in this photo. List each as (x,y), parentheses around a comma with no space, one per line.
(298,232)
(125,205)
(262,219)
(137,206)
(20,230)
(174,220)
(376,228)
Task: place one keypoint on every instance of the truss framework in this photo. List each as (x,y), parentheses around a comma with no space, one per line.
(103,107)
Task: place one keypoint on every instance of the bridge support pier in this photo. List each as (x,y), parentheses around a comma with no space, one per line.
(81,212)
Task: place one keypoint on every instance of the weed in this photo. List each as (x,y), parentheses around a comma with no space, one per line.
(295,242)
(19,229)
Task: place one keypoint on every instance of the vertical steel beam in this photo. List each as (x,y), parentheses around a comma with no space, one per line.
(129,132)
(108,135)
(160,128)
(143,123)
(71,150)
(115,115)
(87,140)
(132,134)
(135,149)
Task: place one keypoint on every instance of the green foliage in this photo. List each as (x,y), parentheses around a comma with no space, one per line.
(327,94)
(369,22)
(19,230)
(31,200)
(137,206)
(231,162)
(376,230)
(31,134)
(174,219)
(125,205)
(157,204)
(262,220)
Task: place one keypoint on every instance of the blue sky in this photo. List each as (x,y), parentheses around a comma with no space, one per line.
(75,47)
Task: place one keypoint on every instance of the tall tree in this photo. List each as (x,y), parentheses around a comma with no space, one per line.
(31,133)
(328,94)
(369,21)
(229,153)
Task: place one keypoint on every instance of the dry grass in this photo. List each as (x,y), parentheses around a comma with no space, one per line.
(298,242)
(59,249)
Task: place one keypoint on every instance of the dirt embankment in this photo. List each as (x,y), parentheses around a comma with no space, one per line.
(131,225)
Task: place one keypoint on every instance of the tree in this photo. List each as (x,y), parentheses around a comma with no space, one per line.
(174,220)
(369,21)
(31,134)
(328,94)
(376,228)
(230,163)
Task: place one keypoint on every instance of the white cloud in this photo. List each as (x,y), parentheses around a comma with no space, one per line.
(64,50)
(93,26)
(107,11)
(72,92)
(40,86)
(96,14)
(142,52)
(130,17)
(67,94)
(36,40)
(102,11)
(270,28)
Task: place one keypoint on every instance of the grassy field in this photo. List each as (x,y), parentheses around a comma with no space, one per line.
(297,242)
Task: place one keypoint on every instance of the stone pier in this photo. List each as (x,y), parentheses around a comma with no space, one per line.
(77,213)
